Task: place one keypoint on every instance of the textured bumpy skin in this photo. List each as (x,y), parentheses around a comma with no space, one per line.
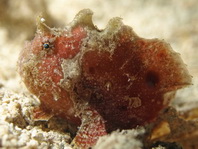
(100,80)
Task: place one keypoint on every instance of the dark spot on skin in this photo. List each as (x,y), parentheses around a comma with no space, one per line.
(91,70)
(152,79)
(122,108)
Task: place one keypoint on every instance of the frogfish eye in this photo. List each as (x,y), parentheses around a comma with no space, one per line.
(46,45)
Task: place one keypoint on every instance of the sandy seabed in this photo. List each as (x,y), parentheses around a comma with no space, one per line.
(174,21)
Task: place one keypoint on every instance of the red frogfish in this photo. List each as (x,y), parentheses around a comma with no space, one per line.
(100,80)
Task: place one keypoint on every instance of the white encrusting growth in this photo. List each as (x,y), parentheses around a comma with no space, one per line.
(71,70)
(42,20)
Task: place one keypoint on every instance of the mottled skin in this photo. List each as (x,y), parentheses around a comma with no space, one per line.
(42,71)
(117,80)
